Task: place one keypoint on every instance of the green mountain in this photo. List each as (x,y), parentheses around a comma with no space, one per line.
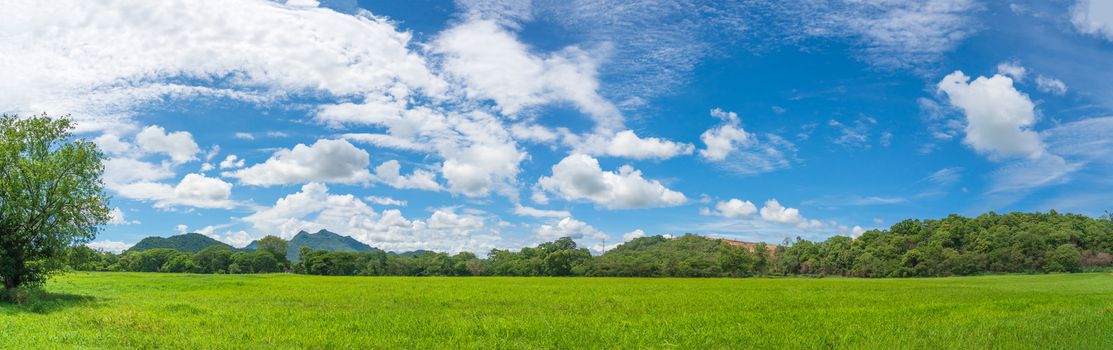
(190,242)
(323,239)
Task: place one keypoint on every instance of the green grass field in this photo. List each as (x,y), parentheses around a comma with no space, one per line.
(150,310)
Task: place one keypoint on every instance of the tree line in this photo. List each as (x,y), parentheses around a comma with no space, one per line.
(953,246)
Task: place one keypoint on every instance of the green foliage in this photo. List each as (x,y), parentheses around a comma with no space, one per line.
(277,247)
(213,259)
(253,262)
(51,196)
(991,243)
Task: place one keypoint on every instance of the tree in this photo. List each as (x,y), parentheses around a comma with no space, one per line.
(51,196)
(274,245)
(1065,258)
(213,259)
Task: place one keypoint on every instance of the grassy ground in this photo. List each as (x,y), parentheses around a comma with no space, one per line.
(144,310)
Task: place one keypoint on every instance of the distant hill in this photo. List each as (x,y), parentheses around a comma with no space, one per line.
(415,253)
(190,242)
(323,239)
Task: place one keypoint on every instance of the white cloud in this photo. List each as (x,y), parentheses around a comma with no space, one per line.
(244,136)
(117,218)
(389,173)
(495,65)
(735,208)
(629,145)
(568,227)
(385,201)
(723,139)
(538,196)
(479,154)
(775,212)
(857,231)
(733,148)
(231,162)
(111,144)
(1051,85)
(633,234)
(1094,17)
(325,161)
(540,213)
(314,208)
(178,145)
(998,117)
(533,133)
(109,246)
(120,171)
(579,177)
(1012,69)
(73,63)
(194,190)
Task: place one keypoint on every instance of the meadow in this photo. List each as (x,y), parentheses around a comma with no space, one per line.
(163,310)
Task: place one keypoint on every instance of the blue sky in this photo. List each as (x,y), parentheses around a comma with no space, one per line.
(473,125)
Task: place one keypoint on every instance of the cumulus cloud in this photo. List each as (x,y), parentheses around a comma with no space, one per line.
(1012,69)
(231,162)
(389,173)
(121,171)
(314,208)
(325,161)
(773,211)
(734,208)
(178,145)
(633,234)
(627,144)
(998,117)
(479,154)
(74,63)
(568,227)
(117,218)
(194,190)
(496,66)
(1094,17)
(733,148)
(111,144)
(109,246)
(579,177)
(723,139)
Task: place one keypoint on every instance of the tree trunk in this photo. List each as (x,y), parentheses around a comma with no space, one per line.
(12,282)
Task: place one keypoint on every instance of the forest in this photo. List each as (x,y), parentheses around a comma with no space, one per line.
(953,246)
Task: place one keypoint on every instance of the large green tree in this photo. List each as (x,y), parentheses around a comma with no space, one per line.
(275,246)
(51,196)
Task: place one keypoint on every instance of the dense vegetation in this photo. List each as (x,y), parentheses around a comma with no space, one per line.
(990,243)
(186,311)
